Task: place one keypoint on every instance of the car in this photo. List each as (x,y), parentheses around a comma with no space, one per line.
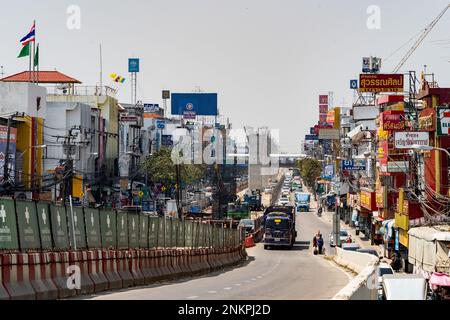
(248,225)
(283,201)
(350,246)
(369,251)
(383,268)
(343,237)
(268,190)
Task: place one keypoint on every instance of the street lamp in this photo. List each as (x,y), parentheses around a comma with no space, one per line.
(429,148)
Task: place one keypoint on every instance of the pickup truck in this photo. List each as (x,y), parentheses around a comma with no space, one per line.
(279,227)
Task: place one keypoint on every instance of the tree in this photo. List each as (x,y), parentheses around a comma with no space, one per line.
(310,170)
(161,168)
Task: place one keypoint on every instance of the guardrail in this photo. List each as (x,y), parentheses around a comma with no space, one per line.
(364,285)
(53,252)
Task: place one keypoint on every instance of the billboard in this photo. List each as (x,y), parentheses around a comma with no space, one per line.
(323,118)
(392,121)
(202,104)
(12,150)
(323,108)
(381,83)
(443,121)
(323,99)
(329,134)
(405,140)
(354,165)
(328,172)
(133,65)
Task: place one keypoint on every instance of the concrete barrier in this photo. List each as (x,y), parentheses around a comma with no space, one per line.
(80,259)
(40,277)
(123,269)
(16,276)
(363,286)
(3,293)
(110,269)
(95,271)
(133,261)
(59,261)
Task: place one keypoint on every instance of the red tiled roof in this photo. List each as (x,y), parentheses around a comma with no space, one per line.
(43,76)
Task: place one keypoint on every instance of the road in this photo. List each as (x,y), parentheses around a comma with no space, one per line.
(268,274)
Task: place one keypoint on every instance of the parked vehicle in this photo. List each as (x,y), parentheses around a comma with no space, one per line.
(283,201)
(248,225)
(279,226)
(404,287)
(369,251)
(302,201)
(350,246)
(343,236)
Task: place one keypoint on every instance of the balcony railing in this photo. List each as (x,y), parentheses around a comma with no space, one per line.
(81,90)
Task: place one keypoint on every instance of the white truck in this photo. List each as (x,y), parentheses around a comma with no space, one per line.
(404,287)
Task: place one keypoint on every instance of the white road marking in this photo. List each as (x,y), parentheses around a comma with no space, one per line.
(237,284)
(192,297)
(259,277)
(227,288)
(253,279)
(212,292)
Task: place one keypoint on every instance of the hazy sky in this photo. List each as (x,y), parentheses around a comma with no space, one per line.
(268,60)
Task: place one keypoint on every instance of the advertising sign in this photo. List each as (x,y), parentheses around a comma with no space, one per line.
(366,64)
(391,121)
(312,137)
(160,124)
(311,130)
(12,150)
(28,225)
(323,108)
(405,140)
(151,107)
(427,120)
(443,121)
(367,200)
(328,172)
(354,165)
(398,166)
(354,84)
(329,134)
(166,140)
(323,99)
(9,239)
(203,104)
(381,83)
(133,65)
(323,118)
(166,94)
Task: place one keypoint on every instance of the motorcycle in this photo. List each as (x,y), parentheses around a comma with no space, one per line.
(319,212)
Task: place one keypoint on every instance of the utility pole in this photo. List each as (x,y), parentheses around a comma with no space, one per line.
(68,172)
(8,138)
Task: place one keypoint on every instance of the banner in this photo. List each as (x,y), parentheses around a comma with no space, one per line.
(92,222)
(28,225)
(108,229)
(381,83)
(8,226)
(405,140)
(78,225)
(43,214)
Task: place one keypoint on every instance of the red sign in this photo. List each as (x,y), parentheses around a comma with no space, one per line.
(323,108)
(393,120)
(323,99)
(368,200)
(323,117)
(427,120)
(381,82)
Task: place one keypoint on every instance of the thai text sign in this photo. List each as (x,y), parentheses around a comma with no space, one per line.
(353,165)
(405,140)
(323,99)
(392,121)
(367,200)
(328,134)
(381,82)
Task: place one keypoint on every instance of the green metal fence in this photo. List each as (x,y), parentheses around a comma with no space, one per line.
(28,226)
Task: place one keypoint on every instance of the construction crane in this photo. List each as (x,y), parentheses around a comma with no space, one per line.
(420,39)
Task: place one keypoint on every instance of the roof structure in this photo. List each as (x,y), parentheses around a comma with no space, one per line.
(43,76)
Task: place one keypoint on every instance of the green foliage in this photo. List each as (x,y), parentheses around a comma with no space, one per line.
(310,170)
(161,168)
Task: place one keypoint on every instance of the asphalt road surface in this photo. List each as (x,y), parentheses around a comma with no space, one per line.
(275,274)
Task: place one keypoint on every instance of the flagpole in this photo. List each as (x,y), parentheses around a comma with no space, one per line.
(34,48)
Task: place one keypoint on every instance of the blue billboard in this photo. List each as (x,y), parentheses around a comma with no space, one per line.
(133,65)
(328,172)
(200,104)
(312,137)
(353,165)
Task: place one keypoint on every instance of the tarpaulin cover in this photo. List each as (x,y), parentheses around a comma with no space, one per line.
(440,279)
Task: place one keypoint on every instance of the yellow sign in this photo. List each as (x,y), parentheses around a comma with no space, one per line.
(141,194)
(402,221)
(403,237)
(77,186)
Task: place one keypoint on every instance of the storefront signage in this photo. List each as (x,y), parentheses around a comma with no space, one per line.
(391,121)
(397,166)
(405,140)
(367,200)
(323,99)
(381,83)
(443,122)
(353,165)
(427,120)
(323,108)
(328,134)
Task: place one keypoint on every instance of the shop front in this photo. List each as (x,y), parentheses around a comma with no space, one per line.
(368,206)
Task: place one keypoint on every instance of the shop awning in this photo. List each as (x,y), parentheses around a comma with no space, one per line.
(440,279)
(439,233)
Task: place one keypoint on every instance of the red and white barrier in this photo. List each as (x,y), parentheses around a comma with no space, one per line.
(123,268)
(3,293)
(40,277)
(59,261)
(95,270)
(80,259)
(110,269)
(136,272)
(16,277)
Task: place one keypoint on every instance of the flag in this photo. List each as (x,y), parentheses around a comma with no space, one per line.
(31,36)
(36,56)
(25,51)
